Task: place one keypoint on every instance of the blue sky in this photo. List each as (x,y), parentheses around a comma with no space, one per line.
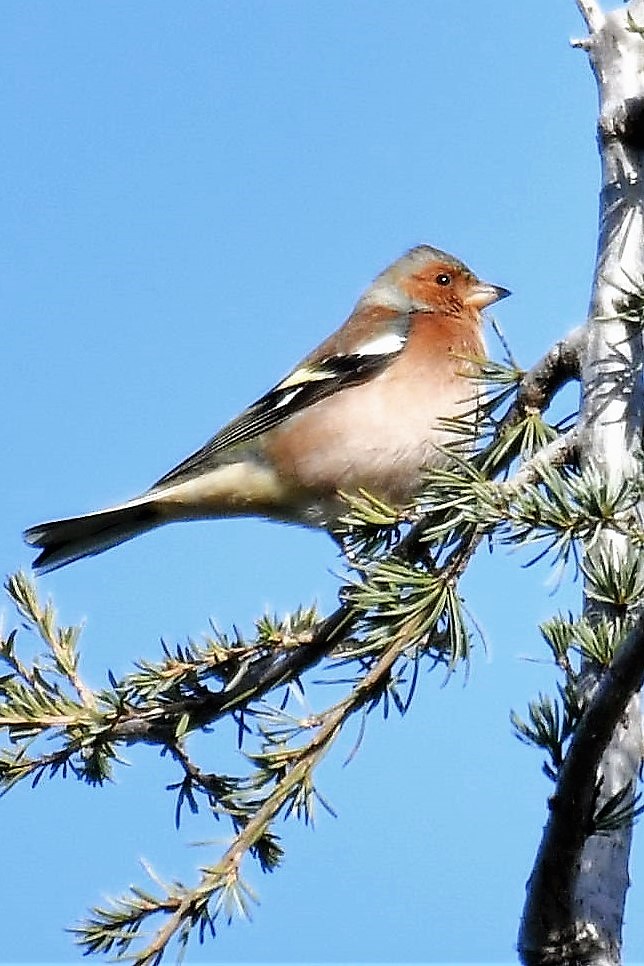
(193,195)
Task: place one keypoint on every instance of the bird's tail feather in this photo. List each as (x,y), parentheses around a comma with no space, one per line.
(63,541)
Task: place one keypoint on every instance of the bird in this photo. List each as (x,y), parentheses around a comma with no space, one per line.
(362,412)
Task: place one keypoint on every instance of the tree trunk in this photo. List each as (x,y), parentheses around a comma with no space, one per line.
(576,894)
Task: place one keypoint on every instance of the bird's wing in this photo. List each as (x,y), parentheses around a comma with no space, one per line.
(304,386)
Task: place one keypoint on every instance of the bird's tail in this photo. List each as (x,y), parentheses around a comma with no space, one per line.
(62,541)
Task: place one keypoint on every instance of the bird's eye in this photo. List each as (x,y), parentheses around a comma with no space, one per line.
(443,279)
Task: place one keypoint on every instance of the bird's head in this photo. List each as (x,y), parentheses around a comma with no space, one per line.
(426,279)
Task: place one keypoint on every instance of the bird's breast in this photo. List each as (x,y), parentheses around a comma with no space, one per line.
(379,435)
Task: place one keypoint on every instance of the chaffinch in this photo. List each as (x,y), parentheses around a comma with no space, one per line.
(363,410)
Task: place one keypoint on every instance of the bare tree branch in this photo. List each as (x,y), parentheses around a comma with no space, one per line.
(558,366)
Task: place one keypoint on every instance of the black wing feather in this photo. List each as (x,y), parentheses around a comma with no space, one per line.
(279,404)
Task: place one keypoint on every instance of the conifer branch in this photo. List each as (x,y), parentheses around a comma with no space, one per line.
(400,605)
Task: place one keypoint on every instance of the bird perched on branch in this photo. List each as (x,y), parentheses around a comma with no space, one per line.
(362,411)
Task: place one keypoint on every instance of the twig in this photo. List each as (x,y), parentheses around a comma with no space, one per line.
(261,676)
(227,868)
(560,452)
(556,368)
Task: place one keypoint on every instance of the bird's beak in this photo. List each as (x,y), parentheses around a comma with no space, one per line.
(484,294)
